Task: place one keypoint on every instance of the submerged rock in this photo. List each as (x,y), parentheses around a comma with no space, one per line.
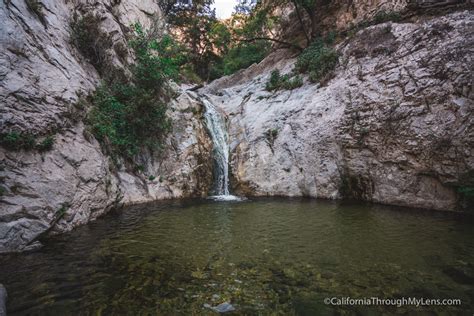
(221,308)
(461,275)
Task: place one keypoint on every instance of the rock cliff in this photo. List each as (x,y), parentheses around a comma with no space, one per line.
(43,77)
(395,125)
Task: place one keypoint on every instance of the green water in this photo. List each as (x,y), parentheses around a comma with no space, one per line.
(265,257)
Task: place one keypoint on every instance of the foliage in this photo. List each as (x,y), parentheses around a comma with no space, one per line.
(270,136)
(125,118)
(36,7)
(25,141)
(245,6)
(18,141)
(384,16)
(244,55)
(91,41)
(156,60)
(214,48)
(380,17)
(277,81)
(129,116)
(62,210)
(466,194)
(199,31)
(467,191)
(318,60)
(46,144)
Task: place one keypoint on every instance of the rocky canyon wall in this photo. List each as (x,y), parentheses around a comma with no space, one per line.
(395,125)
(43,77)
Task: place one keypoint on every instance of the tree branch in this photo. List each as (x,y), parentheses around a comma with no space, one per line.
(298,13)
(253,39)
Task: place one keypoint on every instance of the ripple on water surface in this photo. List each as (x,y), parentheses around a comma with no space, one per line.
(264,255)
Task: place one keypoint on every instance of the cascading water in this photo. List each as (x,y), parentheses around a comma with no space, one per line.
(216,127)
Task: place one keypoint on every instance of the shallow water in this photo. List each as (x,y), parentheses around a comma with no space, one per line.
(266,256)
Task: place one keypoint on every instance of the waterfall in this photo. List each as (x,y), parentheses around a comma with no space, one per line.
(215,124)
(216,127)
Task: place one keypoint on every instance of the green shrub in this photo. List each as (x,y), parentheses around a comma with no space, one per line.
(18,141)
(274,80)
(126,117)
(319,60)
(384,16)
(25,141)
(380,17)
(46,144)
(187,74)
(466,191)
(466,194)
(243,56)
(3,190)
(151,178)
(277,81)
(62,211)
(291,83)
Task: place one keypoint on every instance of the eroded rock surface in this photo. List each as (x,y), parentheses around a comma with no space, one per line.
(395,125)
(42,78)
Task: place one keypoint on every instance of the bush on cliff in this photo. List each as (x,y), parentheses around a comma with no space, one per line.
(318,60)
(26,141)
(130,115)
(286,82)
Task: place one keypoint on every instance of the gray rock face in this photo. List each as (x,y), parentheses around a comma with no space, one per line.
(42,76)
(395,124)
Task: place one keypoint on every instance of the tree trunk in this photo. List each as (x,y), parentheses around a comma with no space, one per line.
(308,38)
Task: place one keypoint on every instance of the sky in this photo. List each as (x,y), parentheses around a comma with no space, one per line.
(224,8)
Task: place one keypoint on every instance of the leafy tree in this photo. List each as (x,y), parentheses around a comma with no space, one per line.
(245,6)
(196,26)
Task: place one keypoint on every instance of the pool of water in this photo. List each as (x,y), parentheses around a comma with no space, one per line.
(263,256)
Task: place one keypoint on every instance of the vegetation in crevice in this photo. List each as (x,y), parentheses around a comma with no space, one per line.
(318,60)
(18,141)
(382,17)
(286,82)
(3,190)
(26,141)
(466,193)
(92,41)
(36,7)
(270,136)
(61,211)
(46,144)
